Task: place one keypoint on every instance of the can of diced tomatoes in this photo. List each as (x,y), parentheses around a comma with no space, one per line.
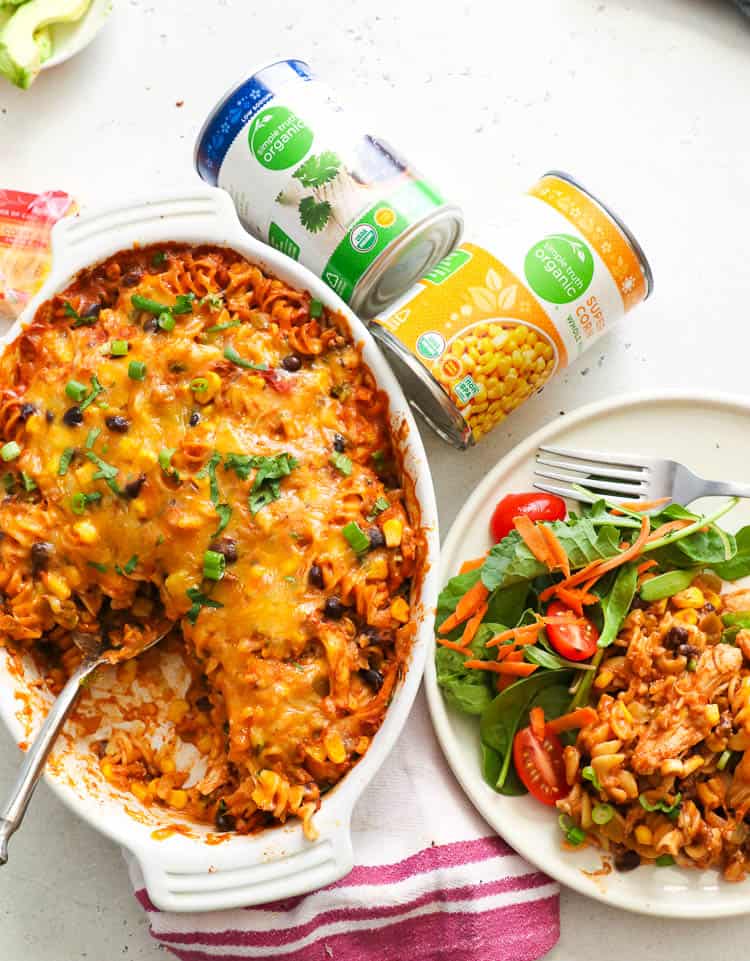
(310,179)
(485,329)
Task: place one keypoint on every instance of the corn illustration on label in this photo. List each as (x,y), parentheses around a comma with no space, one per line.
(492,330)
(306,180)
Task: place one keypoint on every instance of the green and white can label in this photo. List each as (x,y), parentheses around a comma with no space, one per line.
(306,180)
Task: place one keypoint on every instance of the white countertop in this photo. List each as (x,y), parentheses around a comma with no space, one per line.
(646,102)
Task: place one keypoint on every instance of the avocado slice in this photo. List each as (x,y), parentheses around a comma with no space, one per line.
(20,54)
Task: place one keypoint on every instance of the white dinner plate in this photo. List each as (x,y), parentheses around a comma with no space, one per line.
(710,435)
(69,39)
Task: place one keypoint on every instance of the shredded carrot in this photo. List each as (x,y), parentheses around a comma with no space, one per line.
(472,626)
(533,538)
(515,656)
(467,605)
(578,718)
(596,569)
(640,506)
(453,645)
(502,681)
(536,720)
(472,565)
(512,668)
(646,566)
(576,599)
(668,528)
(556,550)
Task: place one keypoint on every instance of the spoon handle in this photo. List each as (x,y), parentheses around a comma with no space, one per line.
(14,809)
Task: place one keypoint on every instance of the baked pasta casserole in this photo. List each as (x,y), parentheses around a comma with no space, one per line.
(185,437)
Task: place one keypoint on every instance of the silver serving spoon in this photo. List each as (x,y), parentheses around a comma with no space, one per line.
(95,652)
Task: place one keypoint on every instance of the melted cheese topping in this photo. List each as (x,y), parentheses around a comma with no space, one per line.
(120,479)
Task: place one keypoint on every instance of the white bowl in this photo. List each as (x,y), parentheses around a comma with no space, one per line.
(708,433)
(68,39)
(185,872)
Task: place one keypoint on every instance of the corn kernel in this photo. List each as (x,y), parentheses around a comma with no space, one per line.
(139,789)
(713,598)
(603,678)
(400,610)
(712,714)
(57,585)
(392,531)
(107,771)
(177,799)
(687,616)
(643,835)
(377,569)
(86,532)
(691,597)
(335,748)
(177,710)
(213,386)
(167,766)
(205,743)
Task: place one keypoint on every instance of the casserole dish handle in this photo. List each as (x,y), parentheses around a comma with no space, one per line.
(196,213)
(244,881)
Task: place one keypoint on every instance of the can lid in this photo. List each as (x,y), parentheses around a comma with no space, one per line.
(423,392)
(407,259)
(637,249)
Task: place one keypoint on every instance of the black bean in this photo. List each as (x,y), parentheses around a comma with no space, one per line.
(227,546)
(333,608)
(203,704)
(688,650)
(132,277)
(50,417)
(676,635)
(708,607)
(41,551)
(339,443)
(315,576)
(93,310)
(373,678)
(27,410)
(151,326)
(292,363)
(225,822)
(195,418)
(133,488)
(627,860)
(73,416)
(118,424)
(376,537)
(638,604)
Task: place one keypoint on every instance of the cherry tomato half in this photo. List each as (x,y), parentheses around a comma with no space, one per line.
(535,504)
(576,642)
(540,766)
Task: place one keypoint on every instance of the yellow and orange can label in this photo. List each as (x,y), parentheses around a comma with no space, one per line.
(492,329)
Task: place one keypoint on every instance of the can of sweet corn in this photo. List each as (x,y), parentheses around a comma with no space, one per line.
(483,331)
(310,178)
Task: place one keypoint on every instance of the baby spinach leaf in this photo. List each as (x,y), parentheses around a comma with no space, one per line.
(739,565)
(467,690)
(452,593)
(616,604)
(509,712)
(505,606)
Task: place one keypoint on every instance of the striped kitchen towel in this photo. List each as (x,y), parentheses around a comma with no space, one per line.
(432,883)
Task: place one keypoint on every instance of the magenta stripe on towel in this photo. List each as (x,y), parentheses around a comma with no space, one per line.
(439,856)
(516,932)
(278,937)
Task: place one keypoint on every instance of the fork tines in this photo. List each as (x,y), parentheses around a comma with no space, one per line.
(619,477)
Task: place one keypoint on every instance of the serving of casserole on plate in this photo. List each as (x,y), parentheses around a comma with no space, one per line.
(196,425)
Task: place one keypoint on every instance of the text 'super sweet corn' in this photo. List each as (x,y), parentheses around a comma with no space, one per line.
(478,335)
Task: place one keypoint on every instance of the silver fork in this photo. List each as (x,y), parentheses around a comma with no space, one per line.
(624,477)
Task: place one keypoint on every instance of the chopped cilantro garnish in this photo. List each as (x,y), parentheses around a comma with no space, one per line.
(225,512)
(91,438)
(165,461)
(215,302)
(266,486)
(342,463)
(9,482)
(80,501)
(200,601)
(129,567)
(380,505)
(241,464)
(183,304)
(106,471)
(29,484)
(78,321)
(102,568)
(217,328)
(96,389)
(209,470)
(231,354)
(159,258)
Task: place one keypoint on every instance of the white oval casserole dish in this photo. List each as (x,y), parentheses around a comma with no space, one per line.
(184,871)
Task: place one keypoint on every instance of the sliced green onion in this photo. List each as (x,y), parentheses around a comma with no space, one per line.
(76,390)
(183,304)
(91,438)
(150,306)
(664,860)
(566,823)
(358,540)
(602,813)
(199,385)
(137,370)
(724,759)
(576,836)
(378,459)
(65,458)
(165,459)
(380,505)
(10,451)
(129,567)
(80,501)
(217,328)
(316,308)
(692,664)
(158,258)
(342,463)
(214,565)
(231,354)
(589,774)
(166,321)
(9,483)
(29,484)
(118,348)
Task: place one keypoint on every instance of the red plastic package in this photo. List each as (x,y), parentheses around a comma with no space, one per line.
(26,221)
